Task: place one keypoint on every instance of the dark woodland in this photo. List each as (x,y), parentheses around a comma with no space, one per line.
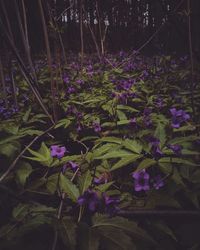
(99,124)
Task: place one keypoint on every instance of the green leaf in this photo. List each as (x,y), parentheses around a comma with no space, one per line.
(43,155)
(110,139)
(127,108)
(63,123)
(122,224)
(23,172)
(67,231)
(177,177)
(116,239)
(177,160)
(146,163)
(125,161)
(69,188)
(160,133)
(26,115)
(114,154)
(156,199)
(20,211)
(85,181)
(185,128)
(104,187)
(163,227)
(10,149)
(180,140)
(52,183)
(195,178)
(132,145)
(103,149)
(121,115)
(123,122)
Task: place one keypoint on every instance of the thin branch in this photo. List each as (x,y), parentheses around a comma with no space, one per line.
(49,59)
(24,71)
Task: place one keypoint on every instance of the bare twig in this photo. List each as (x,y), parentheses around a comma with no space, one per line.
(150,38)
(49,59)
(23,69)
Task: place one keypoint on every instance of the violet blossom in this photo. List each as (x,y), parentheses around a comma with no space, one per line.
(57,151)
(96,126)
(89,199)
(178,117)
(158,182)
(141,180)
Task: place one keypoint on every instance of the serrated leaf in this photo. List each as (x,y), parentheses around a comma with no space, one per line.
(63,123)
(121,115)
(103,149)
(104,187)
(52,183)
(43,155)
(177,177)
(146,163)
(180,140)
(110,139)
(128,108)
(20,211)
(176,160)
(85,181)
(116,239)
(122,224)
(69,188)
(23,172)
(132,145)
(160,133)
(125,161)
(114,154)
(163,227)
(26,115)
(67,231)
(10,149)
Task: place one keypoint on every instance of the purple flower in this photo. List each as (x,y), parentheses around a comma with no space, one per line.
(175,148)
(125,85)
(66,79)
(103,178)
(71,90)
(141,180)
(155,146)
(79,81)
(72,165)
(57,151)
(96,126)
(71,110)
(178,117)
(133,122)
(90,199)
(158,182)
(79,127)
(123,97)
(159,102)
(111,204)
(146,117)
